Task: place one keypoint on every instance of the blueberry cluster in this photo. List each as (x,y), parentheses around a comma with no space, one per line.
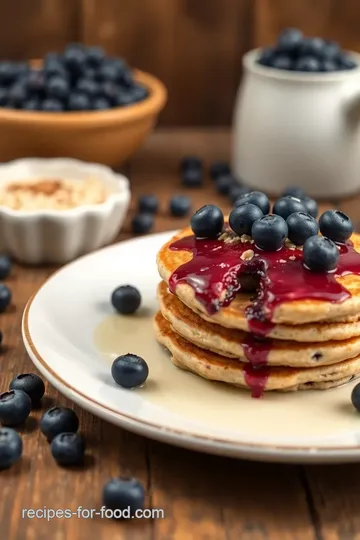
(78,79)
(293,51)
(292,218)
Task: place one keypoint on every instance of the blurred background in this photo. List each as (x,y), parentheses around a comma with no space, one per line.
(194,46)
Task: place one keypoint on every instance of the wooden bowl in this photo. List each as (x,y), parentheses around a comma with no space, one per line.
(108,137)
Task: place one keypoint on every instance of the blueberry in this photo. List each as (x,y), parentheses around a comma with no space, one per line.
(32,104)
(219,168)
(282,61)
(224,183)
(68,448)
(90,73)
(148,203)
(31,384)
(294,191)
(109,72)
(329,66)
(3,96)
(11,447)
(346,62)
(15,407)
(79,102)
(122,493)
(311,206)
(336,225)
(17,95)
(88,86)
(74,58)
(53,67)
(126,79)
(5,297)
(320,254)
(312,46)
(255,197)
(126,299)
(331,50)
(289,39)
(179,205)
(287,205)
(58,420)
(190,162)
(301,226)
(5,266)
(109,90)
(52,105)
(7,72)
(129,370)
(95,55)
(269,232)
(355,397)
(207,222)
(139,92)
(192,177)
(307,63)
(57,87)
(242,218)
(35,81)
(266,56)
(142,223)
(236,191)
(100,104)
(123,98)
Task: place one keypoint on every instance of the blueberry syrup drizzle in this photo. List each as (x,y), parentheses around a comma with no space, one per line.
(214,271)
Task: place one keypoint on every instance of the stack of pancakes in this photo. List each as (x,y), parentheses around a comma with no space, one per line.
(313,344)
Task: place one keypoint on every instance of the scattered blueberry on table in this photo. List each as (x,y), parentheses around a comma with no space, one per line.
(123,493)
(142,223)
(68,449)
(129,370)
(126,299)
(219,168)
(190,162)
(207,222)
(31,384)
(5,297)
(179,205)
(293,51)
(320,254)
(5,266)
(70,81)
(192,177)
(148,204)
(224,183)
(58,420)
(15,407)
(11,447)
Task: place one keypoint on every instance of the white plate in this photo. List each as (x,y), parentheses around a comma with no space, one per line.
(72,335)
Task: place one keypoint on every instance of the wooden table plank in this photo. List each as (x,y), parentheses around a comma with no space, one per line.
(204,497)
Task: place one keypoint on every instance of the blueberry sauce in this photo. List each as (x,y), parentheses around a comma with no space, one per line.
(214,273)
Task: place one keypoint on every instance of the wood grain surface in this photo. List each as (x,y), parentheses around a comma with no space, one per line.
(204,497)
(194,46)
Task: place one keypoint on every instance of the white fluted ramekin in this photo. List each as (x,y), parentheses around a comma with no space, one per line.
(58,236)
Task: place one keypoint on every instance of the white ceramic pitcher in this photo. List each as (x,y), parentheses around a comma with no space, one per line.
(302,129)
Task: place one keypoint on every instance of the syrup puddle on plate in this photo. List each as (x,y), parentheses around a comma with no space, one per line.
(277,415)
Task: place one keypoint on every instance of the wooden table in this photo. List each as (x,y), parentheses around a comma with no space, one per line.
(204,497)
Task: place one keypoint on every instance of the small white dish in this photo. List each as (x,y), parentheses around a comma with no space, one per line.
(58,236)
(72,335)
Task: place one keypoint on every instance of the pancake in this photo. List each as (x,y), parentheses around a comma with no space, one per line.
(230,342)
(295,312)
(215,367)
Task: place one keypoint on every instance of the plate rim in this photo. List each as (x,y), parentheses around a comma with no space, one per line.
(176,436)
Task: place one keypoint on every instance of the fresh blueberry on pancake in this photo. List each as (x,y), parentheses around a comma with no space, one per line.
(243,217)
(320,254)
(237,191)
(301,227)
(207,222)
(336,225)
(288,205)
(255,197)
(294,191)
(269,232)
(311,206)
